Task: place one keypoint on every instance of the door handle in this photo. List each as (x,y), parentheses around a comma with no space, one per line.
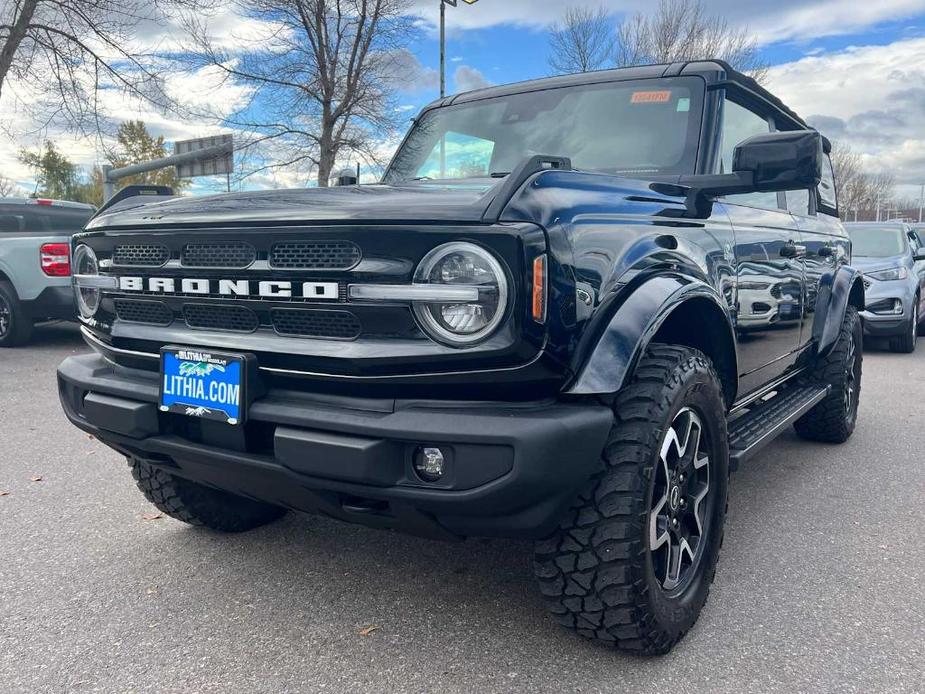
(792,250)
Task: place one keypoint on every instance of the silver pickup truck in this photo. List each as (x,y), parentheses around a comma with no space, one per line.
(35,263)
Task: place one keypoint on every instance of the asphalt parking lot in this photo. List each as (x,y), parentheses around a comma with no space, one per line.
(819,588)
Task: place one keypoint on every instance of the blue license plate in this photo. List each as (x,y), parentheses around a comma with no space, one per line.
(208,385)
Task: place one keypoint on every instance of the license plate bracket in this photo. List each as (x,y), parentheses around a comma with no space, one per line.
(204,383)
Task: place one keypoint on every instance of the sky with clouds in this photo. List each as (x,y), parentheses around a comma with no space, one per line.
(853,68)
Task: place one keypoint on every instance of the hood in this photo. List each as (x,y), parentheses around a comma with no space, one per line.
(422,202)
(865,264)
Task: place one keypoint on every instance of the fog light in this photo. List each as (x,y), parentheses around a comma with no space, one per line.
(886,307)
(429,463)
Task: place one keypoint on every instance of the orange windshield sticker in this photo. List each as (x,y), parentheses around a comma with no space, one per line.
(657,97)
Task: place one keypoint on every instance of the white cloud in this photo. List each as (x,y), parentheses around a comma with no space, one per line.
(468,79)
(410,75)
(769,20)
(871,97)
(196,90)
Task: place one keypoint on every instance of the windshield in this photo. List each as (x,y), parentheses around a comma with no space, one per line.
(634,128)
(877,242)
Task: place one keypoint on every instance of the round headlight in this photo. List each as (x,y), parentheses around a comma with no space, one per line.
(85,263)
(466,265)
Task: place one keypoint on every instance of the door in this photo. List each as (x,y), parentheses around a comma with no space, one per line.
(769,266)
(826,249)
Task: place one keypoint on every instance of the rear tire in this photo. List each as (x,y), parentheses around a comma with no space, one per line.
(15,325)
(833,420)
(609,569)
(199,505)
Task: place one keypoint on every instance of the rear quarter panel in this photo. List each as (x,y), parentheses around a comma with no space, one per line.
(20,262)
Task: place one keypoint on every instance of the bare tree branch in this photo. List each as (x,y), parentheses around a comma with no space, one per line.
(323,84)
(681,30)
(583,41)
(63,54)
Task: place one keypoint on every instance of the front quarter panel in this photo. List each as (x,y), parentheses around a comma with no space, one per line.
(837,290)
(634,255)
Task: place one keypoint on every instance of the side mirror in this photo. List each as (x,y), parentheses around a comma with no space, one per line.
(781,161)
(765,164)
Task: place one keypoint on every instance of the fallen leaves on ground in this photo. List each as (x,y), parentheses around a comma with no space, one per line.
(152,516)
(151,590)
(366,631)
(3,493)
(35,478)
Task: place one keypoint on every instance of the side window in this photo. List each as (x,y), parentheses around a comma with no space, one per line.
(11,223)
(827,185)
(739,124)
(465,156)
(798,202)
(915,241)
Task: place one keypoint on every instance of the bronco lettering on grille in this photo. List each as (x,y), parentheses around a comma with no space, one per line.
(267,289)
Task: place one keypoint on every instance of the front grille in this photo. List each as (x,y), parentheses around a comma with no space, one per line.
(340,325)
(232,254)
(150,312)
(237,319)
(140,255)
(315,255)
(759,307)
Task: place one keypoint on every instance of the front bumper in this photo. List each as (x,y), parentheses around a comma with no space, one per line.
(888,325)
(512,468)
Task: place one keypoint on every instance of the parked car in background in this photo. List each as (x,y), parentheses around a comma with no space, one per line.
(35,263)
(893,262)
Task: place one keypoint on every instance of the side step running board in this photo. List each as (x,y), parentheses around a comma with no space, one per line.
(755,429)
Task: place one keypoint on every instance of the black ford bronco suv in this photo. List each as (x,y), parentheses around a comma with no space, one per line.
(571,307)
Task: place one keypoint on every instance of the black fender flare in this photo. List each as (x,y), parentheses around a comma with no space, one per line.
(636,321)
(837,290)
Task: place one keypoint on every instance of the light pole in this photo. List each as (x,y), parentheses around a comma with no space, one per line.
(443,4)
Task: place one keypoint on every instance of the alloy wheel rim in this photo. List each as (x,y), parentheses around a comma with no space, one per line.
(681,502)
(6,316)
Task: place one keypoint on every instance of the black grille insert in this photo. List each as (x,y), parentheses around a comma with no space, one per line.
(338,325)
(315,255)
(230,254)
(140,255)
(150,312)
(237,319)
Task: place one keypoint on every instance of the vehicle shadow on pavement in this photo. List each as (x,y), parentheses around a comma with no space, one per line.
(56,333)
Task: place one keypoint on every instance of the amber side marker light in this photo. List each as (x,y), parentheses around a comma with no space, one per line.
(539,289)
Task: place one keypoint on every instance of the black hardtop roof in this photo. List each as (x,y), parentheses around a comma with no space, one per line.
(714,72)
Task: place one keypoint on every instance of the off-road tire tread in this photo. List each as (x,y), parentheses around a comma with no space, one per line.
(591,572)
(827,422)
(198,505)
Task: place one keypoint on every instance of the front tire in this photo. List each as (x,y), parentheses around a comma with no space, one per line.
(632,560)
(199,505)
(15,325)
(833,420)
